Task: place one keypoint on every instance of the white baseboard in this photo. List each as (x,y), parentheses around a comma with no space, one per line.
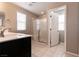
(73,54)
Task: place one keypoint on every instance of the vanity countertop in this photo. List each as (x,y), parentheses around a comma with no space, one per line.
(13,36)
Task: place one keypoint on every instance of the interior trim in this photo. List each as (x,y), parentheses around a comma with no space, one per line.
(73,54)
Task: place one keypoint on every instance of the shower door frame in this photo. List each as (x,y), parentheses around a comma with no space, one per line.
(58,8)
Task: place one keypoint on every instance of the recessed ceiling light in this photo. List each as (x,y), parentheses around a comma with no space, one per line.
(42,12)
(31,3)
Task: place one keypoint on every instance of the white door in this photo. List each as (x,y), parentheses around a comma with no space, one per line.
(54,34)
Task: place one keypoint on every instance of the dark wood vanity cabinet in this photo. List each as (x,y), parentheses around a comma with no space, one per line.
(16,48)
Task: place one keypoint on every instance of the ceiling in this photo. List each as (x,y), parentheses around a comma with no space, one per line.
(37,8)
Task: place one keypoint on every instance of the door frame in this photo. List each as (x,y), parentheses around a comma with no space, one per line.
(65,31)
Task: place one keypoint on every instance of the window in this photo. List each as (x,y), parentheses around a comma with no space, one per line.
(21,21)
(61,22)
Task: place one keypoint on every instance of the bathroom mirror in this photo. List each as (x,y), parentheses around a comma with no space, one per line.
(2,17)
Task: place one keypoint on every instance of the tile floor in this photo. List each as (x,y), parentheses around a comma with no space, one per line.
(42,50)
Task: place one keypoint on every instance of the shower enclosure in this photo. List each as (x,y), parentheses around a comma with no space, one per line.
(45,29)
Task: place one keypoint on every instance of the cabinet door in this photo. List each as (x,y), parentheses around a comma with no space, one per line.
(16,48)
(3,50)
(28,47)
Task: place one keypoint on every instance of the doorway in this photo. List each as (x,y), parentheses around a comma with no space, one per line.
(57,26)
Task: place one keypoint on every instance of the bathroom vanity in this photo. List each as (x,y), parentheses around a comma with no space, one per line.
(15,45)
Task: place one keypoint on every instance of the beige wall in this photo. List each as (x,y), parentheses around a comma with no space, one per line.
(78,32)
(10,11)
(71,25)
(72,19)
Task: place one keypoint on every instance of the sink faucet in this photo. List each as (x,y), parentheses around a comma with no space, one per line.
(2,32)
